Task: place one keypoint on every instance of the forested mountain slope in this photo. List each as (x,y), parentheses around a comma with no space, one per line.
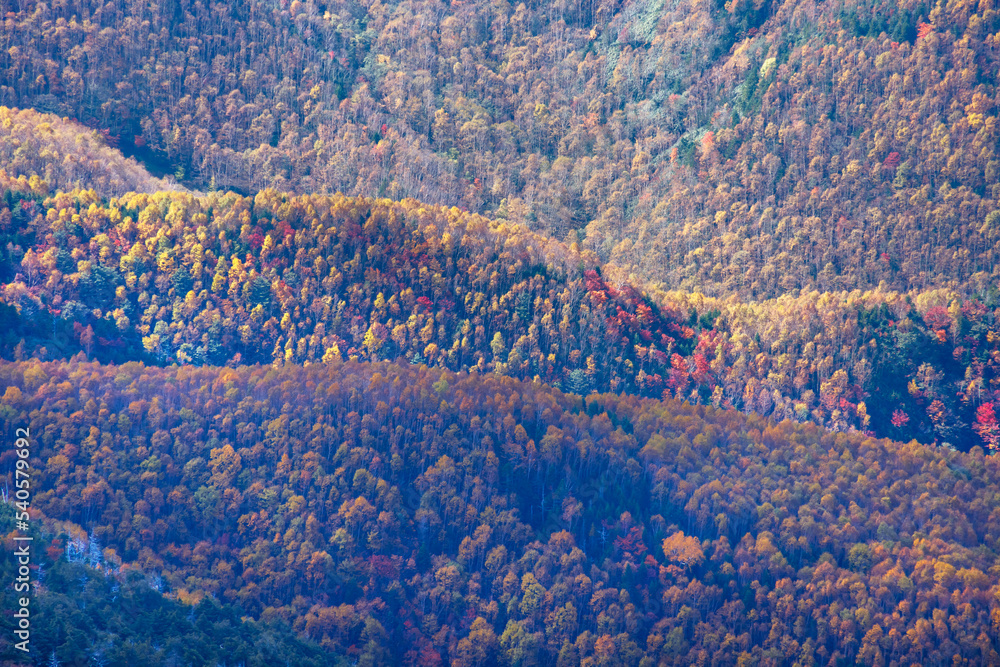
(64,155)
(402,513)
(225,279)
(478,409)
(87,609)
(753,148)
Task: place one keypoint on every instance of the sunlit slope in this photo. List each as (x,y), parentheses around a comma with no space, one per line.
(750,148)
(224,279)
(64,154)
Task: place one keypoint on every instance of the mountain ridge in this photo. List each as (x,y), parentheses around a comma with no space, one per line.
(830,146)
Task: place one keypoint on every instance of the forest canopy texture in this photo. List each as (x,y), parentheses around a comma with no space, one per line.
(477,333)
(402,513)
(740,147)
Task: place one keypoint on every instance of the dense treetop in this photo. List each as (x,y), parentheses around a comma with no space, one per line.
(753,148)
(88,607)
(225,279)
(64,155)
(412,514)
(478,409)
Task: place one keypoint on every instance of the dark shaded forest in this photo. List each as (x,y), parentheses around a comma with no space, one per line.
(408,514)
(91,610)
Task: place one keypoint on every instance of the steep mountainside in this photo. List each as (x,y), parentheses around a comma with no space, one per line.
(589,365)
(401,513)
(757,148)
(64,155)
(225,279)
(89,609)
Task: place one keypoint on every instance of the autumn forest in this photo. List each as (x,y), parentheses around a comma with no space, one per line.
(469,333)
